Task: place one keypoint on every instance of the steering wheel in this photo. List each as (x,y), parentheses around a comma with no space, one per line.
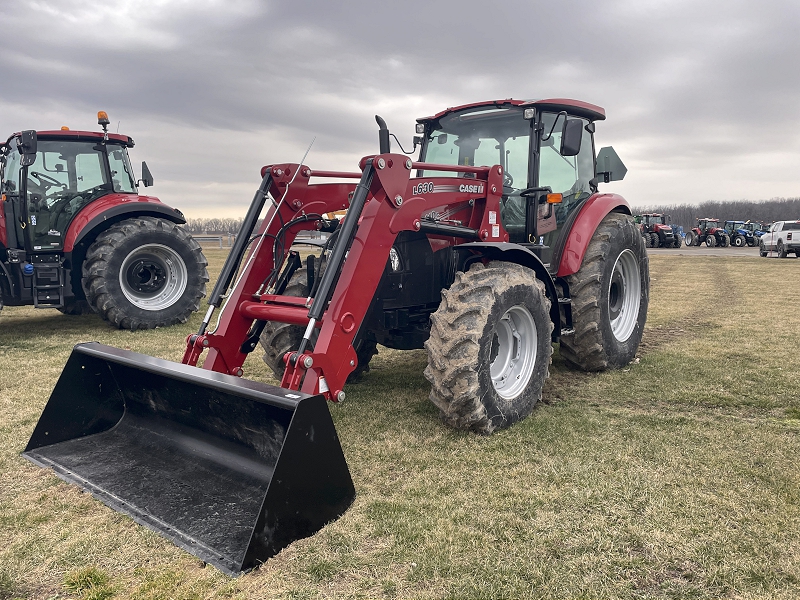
(46,182)
(508,180)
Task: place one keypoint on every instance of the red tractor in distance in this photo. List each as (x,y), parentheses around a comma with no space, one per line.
(708,231)
(76,236)
(656,232)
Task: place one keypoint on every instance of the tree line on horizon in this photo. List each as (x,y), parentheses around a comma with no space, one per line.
(685,215)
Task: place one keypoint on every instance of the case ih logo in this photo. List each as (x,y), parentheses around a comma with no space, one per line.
(427,187)
(471,188)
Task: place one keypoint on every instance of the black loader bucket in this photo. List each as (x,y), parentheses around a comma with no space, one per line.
(230,470)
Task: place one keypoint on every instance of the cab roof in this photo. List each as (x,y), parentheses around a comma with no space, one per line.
(68,134)
(577,108)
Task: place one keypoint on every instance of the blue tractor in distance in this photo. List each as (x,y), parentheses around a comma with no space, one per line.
(744,233)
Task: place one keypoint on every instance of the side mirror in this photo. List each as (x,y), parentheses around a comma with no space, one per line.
(609,166)
(27,147)
(147,177)
(571,137)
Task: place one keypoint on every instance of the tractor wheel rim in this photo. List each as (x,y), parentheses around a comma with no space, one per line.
(515,342)
(624,295)
(153,277)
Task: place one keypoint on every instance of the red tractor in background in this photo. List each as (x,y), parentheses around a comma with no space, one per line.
(656,232)
(75,235)
(486,251)
(709,232)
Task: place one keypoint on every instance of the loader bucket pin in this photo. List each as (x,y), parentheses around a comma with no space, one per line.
(228,469)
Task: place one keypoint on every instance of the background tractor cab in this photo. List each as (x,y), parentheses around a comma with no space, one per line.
(63,191)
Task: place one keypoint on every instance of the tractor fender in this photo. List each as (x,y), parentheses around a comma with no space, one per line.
(583,227)
(508,252)
(101,214)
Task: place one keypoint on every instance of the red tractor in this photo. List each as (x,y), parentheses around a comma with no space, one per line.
(491,247)
(75,235)
(656,232)
(709,232)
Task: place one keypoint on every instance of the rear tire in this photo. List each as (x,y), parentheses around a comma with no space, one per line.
(610,294)
(490,347)
(689,239)
(725,241)
(279,338)
(144,273)
(782,253)
(654,241)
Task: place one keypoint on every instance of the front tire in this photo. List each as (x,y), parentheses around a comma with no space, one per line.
(144,273)
(738,241)
(762,250)
(610,294)
(678,241)
(490,347)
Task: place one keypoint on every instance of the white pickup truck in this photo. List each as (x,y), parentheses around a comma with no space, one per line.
(783,237)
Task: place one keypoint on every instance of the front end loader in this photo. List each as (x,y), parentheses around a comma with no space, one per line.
(491,247)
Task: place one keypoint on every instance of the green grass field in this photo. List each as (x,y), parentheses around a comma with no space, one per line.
(675,477)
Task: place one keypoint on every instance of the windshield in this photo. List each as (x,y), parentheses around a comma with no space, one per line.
(482,138)
(67,175)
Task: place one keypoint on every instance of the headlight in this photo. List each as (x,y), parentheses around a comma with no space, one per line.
(394,260)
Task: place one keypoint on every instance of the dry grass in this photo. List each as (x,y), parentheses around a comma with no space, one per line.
(673,478)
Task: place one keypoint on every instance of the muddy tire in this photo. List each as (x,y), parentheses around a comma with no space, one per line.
(490,349)
(610,294)
(74,306)
(144,273)
(279,338)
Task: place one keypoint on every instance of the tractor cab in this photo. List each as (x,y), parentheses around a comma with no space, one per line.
(546,151)
(757,229)
(733,226)
(47,180)
(707,225)
(654,219)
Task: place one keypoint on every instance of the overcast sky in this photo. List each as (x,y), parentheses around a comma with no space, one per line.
(702,96)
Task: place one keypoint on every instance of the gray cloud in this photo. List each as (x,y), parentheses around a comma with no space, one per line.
(700,95)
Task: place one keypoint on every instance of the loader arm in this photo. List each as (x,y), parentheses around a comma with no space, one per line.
(385,202)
